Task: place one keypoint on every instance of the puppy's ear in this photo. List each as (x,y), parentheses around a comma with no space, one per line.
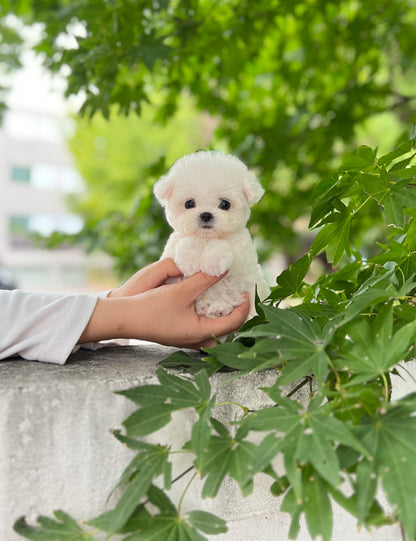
(163,189)
(253,190)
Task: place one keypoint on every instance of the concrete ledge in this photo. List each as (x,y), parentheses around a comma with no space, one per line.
(56,451)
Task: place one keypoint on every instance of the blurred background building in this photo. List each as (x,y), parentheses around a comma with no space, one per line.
(36,176)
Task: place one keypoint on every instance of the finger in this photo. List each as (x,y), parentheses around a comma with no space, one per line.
(149,277)
(161,270)
(233,321)
(196,284)
(156,274)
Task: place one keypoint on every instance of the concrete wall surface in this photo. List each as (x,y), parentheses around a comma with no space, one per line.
(56,450)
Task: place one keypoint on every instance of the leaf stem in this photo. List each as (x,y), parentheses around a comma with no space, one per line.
(182,474)
(338,385)
(228,402)
(185,490)
(173,481)
(386,387)
(299,386)
(361,206)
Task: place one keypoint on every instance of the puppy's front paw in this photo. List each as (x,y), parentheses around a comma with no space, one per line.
(213,309)
(187,256)
(217,257)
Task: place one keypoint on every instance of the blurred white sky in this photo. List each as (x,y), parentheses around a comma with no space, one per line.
(32,88)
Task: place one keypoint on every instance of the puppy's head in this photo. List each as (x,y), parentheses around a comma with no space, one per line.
(208,194)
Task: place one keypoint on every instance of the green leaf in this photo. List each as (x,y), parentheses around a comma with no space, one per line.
(147,395)
(404,148)
(376,289)
(152,464)
(356,400)
(220,428)
(64,528)
(147,420)
(291,505)
(391,438)
(324,191)
(267,449)
(158,401)
(229,354)
(156,528)
(174,391)
(334,238)
(105,520)
(280,486)
(291,280)
(366,485)
(159,498)
(373,349)
(393,209)
(184,392)
(316,363)
(374,185)
(167,528)
(304,437)
(407,173)
(241,462)
(148,454)
(131,443)
(317,507)
(180,359)
(206,522)
(315,447)
(294,338)
(203,384)
(216,465)
(226,455)
(201,432)
(362,158)
(152,49)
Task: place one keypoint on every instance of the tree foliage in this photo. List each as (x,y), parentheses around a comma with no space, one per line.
(10,49)
(345,335)
(290,83)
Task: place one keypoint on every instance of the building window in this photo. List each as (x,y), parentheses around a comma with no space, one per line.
(43,176)
(21,174)
(54,178)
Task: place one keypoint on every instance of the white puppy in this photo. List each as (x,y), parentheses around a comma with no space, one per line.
(207,198)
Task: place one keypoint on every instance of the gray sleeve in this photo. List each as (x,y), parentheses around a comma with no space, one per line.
(42,327)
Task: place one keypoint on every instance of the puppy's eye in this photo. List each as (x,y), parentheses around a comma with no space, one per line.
(224,205)
(190,204)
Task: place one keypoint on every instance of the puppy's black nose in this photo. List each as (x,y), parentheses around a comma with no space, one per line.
(206,217)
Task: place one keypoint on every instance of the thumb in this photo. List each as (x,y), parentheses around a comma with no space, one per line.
(196,284)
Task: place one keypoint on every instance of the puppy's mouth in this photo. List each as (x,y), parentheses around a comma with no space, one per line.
(206,226)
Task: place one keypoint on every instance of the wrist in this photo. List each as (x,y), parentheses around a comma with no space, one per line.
(106,321)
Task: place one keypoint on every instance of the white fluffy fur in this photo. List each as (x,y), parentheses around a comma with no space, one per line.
(222,242)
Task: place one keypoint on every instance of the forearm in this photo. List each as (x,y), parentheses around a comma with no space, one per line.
(139,318)
(109,320)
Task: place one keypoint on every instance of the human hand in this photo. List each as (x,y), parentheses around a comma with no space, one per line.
(163,313)
(149,277)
